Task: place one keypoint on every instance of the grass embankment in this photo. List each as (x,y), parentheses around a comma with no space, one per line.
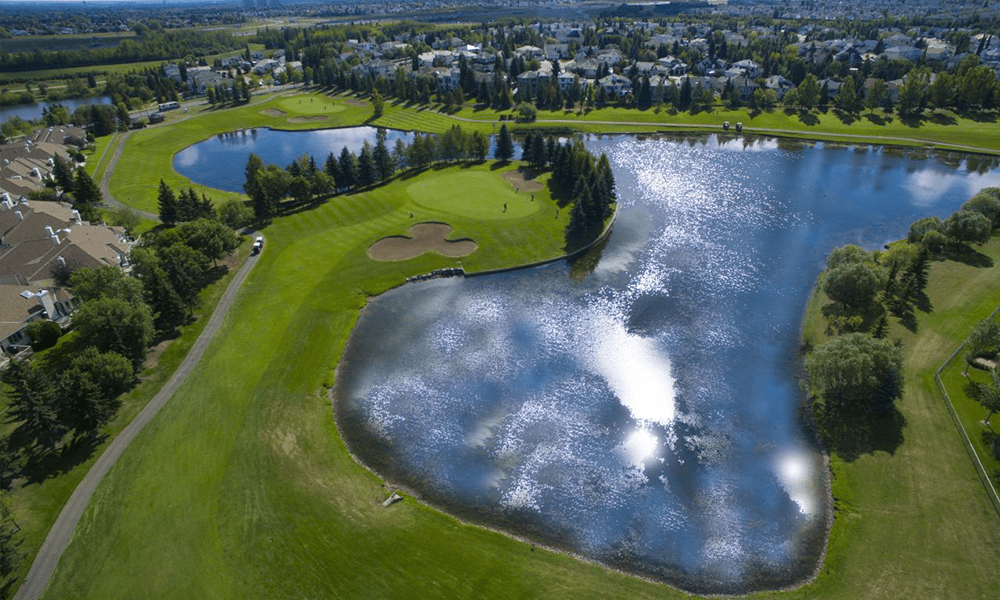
(242,487)
(149,153)
(38,503)
(913,519)
(942,128)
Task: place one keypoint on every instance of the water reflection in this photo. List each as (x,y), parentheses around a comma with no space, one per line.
(642,406)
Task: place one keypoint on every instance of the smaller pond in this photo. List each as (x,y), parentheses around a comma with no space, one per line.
(201,162)
(30,112)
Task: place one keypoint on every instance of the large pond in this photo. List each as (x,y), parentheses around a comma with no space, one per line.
(642,407)
(30,112)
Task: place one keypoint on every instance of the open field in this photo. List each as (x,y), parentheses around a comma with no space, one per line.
(918,515)
(242,487)
(37,504)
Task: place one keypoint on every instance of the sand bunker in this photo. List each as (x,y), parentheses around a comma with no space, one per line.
(523,180)
(273,112)
(308,119)
(426,237)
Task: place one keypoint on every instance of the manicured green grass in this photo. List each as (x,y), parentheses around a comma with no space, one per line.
(99,156)
(972,413)
(310,105)
(149,153)
(916,522)
(472,195)
(37,504)
(942,128)
(242,487)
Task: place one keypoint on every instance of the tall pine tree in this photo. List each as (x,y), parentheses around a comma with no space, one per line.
(168,204)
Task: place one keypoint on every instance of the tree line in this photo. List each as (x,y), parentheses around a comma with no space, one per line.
(583,181)
(153,45)
(59,403)
(857,375)
(304,179)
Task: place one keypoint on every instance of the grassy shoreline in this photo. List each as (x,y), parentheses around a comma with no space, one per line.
(149,153)
(922,499)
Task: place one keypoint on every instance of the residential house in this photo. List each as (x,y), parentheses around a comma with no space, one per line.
(615,85)
(35,237)
(749,68)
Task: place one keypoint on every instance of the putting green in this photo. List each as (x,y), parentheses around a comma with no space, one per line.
(472,194)
(309,105)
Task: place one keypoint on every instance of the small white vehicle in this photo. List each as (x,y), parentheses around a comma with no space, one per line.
(258,244)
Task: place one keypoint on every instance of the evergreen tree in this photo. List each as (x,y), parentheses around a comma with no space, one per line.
(254,168)
(168,204)
(348,164)
(85,191)
(366,166)
(34,404)
(332,168)
(505,144)
(385,166)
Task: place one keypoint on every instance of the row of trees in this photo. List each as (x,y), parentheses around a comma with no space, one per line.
(856,376)
(72,395)
(304,180)
(155,45)
(582,180)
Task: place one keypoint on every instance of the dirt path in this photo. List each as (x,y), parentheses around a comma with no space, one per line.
(62,530)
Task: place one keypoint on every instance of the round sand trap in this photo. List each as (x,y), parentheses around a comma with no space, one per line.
(273,112)
(425,237)
(523,179)
(308,119)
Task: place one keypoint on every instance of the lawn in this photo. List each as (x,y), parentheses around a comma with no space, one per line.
(939,128)
(472,195)
(242,487)
(148,156)
(915,522)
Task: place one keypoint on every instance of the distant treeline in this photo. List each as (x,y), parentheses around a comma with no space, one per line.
(155,45)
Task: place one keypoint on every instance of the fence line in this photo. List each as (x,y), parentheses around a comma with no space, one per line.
(984,477)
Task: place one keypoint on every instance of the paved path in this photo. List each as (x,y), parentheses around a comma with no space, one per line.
(106,179)
(62,530)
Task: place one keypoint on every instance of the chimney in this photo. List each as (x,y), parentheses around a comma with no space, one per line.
(49,231)
(55,239)
(76,217)
(20,217)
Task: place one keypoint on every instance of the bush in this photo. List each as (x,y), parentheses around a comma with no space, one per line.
(43,334)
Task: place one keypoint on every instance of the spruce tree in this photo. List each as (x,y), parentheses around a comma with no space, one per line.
(168,204)
(348,164)
(505,144)
(366,166)
(332,169)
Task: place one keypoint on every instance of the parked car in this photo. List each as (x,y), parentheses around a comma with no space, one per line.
(258,244)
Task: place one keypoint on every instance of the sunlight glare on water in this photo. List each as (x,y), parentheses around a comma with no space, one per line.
(646,415)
